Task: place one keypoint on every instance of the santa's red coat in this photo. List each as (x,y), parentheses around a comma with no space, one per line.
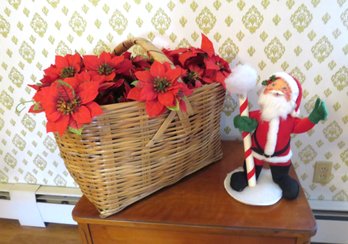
(281,138)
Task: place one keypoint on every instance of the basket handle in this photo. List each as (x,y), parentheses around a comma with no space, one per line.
(159,56)
(151,49)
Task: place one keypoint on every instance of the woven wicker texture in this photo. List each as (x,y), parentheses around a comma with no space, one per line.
(124,156)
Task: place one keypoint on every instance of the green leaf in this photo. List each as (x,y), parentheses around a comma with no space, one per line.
(176,107)
(37,106)
(135,82)
(76,131)
(63,83)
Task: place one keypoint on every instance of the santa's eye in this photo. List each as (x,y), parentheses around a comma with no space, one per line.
(284,88)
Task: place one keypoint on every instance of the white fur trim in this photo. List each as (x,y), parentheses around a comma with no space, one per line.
(272,135)
(291,82)
(295,113)
(241,80)
(273,160)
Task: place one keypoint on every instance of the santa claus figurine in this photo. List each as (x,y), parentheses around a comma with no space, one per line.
(271,128)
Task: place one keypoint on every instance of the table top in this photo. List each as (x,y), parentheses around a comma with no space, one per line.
(201,200)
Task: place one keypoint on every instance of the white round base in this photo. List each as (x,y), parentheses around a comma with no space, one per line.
(265,193)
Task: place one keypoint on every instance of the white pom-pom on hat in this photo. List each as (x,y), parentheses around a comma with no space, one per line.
(241,80)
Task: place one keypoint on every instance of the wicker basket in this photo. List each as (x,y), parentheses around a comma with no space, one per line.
(124,156)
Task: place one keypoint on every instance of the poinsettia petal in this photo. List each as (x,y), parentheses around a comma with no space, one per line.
(154,108)
(167,99)
(210,64)
(197,84)
(73,82)
(207,79)
(220,77)
(105,57)
(94,109)
(115,61)
(91,62)
(147,93)
(105,86)
(173,74)
(109,77)
(157,69)
(207,46)
(53,116)
(88,91)
(74,125)
(182,105)
(59,126)
(143,75)
(118,83)
(185,56)
(75,61)
(134,94)
(61,62)
(187,91)
(124,67)
(82,115)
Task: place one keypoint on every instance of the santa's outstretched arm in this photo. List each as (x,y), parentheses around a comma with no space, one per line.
(318,113)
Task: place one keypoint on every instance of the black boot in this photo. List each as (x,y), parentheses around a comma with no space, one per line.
(239,179)
(289,186)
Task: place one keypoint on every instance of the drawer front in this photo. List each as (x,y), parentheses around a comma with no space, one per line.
(114,234)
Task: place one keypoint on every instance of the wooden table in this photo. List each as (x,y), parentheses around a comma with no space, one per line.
(198,210)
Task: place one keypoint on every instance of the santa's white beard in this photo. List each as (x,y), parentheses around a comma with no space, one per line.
(274,106)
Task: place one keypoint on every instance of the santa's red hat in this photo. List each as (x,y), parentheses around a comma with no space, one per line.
(296,90)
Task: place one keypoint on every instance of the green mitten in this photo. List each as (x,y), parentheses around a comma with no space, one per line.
(319,112)
(244,123)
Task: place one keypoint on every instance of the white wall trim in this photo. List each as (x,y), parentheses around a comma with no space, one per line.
(333,228)
(331,231)
(328,205)
(23,204)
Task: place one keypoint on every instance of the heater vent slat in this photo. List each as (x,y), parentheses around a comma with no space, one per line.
(4,195)
(56,199)
(331,215)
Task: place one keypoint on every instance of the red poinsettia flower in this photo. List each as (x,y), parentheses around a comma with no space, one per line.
(67,66)
(70,103)
(193,76)
(51,74)
(217,70)
(208,67)
(140,63)
(104,66)
(174,55)
(160,89)
(191,56)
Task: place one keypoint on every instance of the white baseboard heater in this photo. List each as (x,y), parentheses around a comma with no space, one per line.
(332,221)
(35,205)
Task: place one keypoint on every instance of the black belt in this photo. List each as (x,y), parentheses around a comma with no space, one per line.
(260,151)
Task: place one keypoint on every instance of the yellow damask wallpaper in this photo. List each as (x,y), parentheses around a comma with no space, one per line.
(305,38)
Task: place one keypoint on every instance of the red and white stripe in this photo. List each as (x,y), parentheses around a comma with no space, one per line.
(249,160)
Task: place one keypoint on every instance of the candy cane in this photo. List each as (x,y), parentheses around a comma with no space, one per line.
(249,160)
(241,80)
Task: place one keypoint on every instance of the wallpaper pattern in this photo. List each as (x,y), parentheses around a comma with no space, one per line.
(305,38)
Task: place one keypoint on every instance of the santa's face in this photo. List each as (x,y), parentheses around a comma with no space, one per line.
(279,88)
(275,100)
